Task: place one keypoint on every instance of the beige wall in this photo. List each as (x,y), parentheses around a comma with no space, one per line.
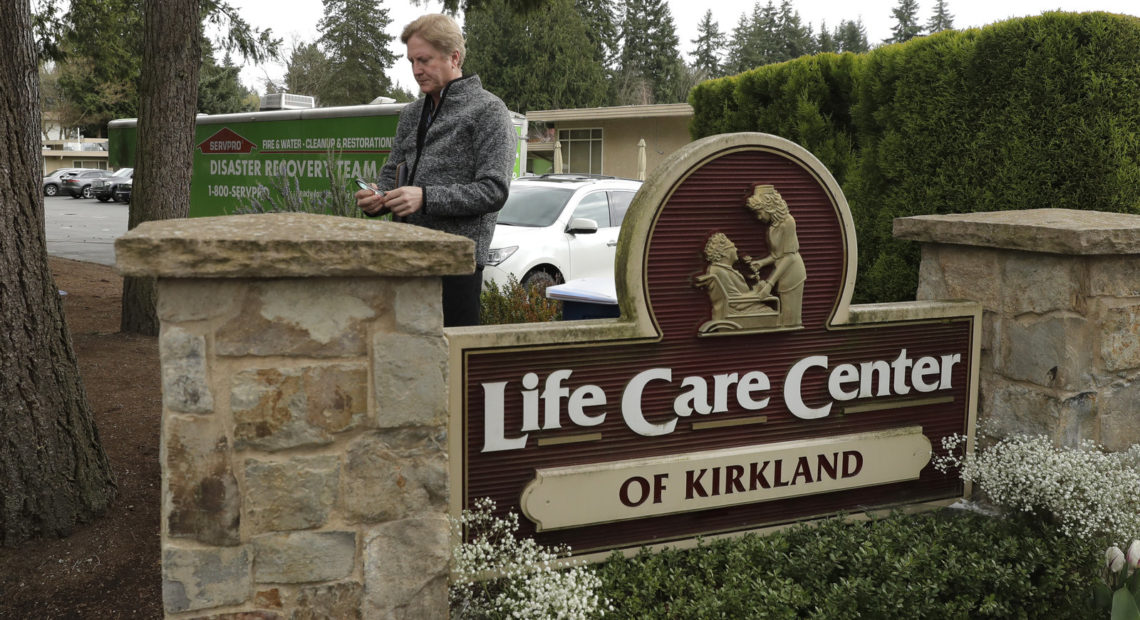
(662,135)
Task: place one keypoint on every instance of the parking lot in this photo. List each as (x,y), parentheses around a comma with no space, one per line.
(83,229)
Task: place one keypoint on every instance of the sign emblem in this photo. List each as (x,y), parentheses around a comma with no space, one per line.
(746,303)
(739,389)
(226,142)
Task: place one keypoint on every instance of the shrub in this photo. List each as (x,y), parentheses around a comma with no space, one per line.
(946,564)
(284,195)
(1027,113)
(1090,493)
(498,575)
(514,303)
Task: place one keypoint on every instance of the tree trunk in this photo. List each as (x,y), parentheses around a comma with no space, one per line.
(53,471)
(172,53)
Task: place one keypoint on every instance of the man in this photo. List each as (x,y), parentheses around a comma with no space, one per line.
(450,166)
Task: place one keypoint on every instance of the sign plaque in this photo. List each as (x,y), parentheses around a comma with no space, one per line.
(738,390)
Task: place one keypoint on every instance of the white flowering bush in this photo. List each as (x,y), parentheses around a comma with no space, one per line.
(499,575)
(1088,491)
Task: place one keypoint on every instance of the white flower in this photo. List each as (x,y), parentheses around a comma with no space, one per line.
(1133,554)
(1114,559)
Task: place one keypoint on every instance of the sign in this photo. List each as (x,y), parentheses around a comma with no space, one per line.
(239,157)
(739,389)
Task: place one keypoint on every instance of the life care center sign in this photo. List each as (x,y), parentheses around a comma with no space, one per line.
(738,390)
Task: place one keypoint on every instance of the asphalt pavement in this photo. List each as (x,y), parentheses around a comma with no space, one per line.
(83,228)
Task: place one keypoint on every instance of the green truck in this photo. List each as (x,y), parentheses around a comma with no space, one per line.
(237,156)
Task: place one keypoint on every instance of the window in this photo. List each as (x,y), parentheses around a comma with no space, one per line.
(89,163)
(620,203)
(594,207)
(581,150)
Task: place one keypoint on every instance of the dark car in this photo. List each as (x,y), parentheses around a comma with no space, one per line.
(123,191)
(53,181)
(79,186)
(104,188)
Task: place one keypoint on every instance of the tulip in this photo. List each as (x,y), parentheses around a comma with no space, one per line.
(1114,559)
(1133,554)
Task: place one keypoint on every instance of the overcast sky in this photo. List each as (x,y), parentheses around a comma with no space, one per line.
(297,19)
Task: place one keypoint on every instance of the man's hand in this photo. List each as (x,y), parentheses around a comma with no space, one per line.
(404,201)
(369,201)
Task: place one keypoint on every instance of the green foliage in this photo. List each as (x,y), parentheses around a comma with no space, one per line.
(941,19)
(355,44)
(710,40)
(306,70)
(514,303)
(906,22)
(535,61)
(650,48)
(98,48)
(1027,113)
(948,564)
(219,90)
(284,195)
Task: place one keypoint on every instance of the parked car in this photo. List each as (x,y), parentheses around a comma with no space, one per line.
(79,185)
(53,181)
(559,227)
(103,188)
(123,191)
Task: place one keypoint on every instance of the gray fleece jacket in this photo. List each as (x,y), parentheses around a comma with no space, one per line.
(462,159)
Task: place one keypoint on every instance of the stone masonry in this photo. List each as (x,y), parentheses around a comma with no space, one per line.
(304,445)
(1060,291)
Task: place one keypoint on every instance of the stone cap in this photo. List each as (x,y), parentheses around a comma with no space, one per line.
(1055,231)
(289,245)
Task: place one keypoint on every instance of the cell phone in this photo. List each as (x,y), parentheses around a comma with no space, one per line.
(368,186)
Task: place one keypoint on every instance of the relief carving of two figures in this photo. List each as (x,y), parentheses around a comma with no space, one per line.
(773,301)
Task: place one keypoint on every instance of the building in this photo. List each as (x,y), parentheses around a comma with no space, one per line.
(607,140)
(66,148)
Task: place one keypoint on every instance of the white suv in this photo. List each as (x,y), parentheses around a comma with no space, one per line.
(559,227)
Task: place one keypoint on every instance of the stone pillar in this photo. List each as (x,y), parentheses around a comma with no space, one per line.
(1060,291)
(304,449)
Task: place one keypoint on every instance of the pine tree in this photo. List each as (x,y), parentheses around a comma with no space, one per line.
(306,71)
(941,20)
(851,36)
(793,39)
(906,22)
(356,45)
(601,29)
(534,60)
(650,48)
(709,43)
(826,41)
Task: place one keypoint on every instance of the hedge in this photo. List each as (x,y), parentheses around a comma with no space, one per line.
(1027,113)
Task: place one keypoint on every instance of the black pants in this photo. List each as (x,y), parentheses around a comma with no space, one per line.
(461,298)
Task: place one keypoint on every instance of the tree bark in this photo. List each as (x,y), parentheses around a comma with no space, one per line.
(172,53)
(53,471)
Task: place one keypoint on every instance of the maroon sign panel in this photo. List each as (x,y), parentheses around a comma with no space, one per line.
(728,420)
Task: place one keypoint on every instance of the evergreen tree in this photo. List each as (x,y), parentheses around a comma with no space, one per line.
(219,89)
(534,61)
(941,20)
(650,47)
(99,75)
(755,40)
(906,22)
(307,71)
(709,43)
(792,37)
(851,36)
(356,45)
(826,42)
(601,29)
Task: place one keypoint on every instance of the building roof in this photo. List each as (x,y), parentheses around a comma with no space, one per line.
(615,112)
